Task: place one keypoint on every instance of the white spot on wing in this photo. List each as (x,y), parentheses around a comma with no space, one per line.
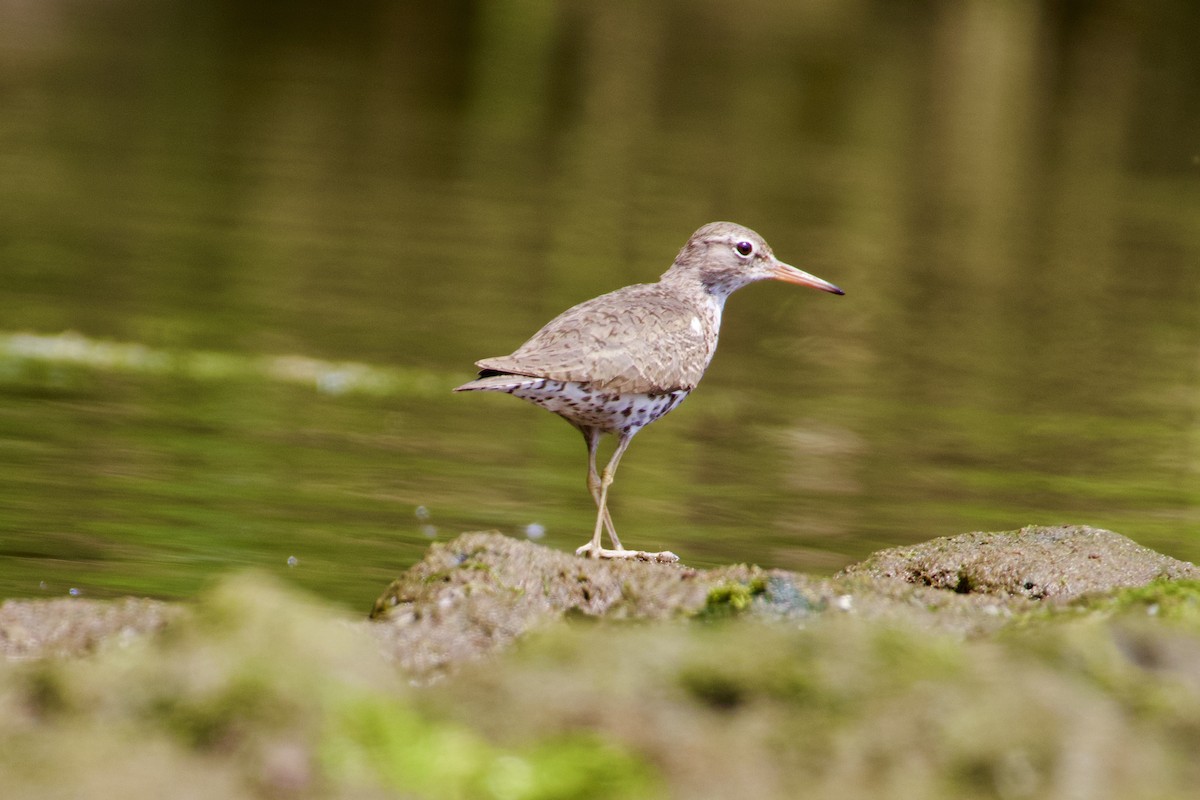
(697,327)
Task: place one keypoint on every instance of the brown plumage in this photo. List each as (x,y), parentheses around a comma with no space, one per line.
(616,363)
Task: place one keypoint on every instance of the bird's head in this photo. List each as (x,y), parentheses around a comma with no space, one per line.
(725,256)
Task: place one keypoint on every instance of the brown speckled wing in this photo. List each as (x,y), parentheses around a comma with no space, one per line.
(637,339)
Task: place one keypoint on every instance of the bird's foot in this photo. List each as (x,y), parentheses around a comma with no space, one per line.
(665,557)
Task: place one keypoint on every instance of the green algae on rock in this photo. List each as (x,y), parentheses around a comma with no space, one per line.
(857,708)
(261,692)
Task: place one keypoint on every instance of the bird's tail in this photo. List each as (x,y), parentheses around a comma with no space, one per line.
(491,381)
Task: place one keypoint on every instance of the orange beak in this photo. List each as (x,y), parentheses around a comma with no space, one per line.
(789,274)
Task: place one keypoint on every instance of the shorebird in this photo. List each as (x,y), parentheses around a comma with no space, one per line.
(618,362)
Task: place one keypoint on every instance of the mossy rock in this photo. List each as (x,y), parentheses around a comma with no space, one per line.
(1057,563)
(484,590)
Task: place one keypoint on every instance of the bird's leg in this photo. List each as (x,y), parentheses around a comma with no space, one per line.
(592,437)
(593,547)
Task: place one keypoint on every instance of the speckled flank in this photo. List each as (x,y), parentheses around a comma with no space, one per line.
(611,412)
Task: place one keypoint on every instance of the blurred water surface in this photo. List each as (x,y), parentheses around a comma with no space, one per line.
(246,250)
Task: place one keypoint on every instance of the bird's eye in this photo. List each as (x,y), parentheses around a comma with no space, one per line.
(744,248)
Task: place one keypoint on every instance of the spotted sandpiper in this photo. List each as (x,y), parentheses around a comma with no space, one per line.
(618,362)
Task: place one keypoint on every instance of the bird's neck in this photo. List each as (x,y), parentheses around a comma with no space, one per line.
(707,298)
(703,288)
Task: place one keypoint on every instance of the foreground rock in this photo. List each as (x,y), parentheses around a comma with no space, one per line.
(482,591)
(867,690)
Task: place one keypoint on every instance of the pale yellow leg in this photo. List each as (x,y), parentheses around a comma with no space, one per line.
(603,519)
(592,436)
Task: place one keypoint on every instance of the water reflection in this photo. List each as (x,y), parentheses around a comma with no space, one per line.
(1008,192)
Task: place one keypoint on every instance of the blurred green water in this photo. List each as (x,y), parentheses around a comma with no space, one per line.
(1009,193)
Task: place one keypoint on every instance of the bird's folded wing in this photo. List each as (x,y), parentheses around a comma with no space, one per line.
(644,345)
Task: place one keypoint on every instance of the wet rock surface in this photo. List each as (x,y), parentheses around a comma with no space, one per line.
(1056,563)
(484,590)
